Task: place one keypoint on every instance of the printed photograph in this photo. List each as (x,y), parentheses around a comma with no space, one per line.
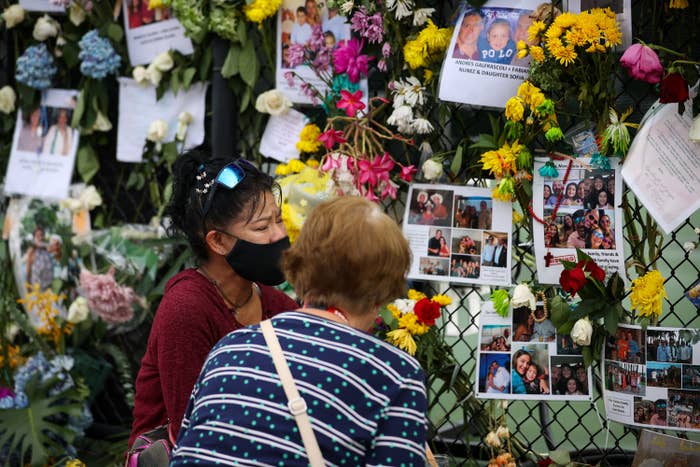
(693,294)
(139,13)
(530,373)
(569,376)
(684,409)
(664,375)
(434,266)
(439,242)
(495,338)
(691,377)
(626,346)
(465,266)
(494,250)
(494,373)
(627,378)
(672,345)
(46,131)
(466,242)
(650,412)
(431,207)
(473,212)
(567,346)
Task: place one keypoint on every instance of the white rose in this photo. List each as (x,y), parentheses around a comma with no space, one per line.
(78,310)
(90,197)
(7,99)
(153,74)
(582,331)
(493,440)
(163,62)
(523,296)
(694,133)
(139,74)
(272,102)
(13,15)
(44,28)
(157,131)
(102,123)
(76,14)
(432,169)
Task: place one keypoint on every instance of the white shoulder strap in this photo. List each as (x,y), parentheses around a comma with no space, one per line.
(297,405)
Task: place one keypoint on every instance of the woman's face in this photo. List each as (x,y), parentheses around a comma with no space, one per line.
(566,372)
(598,183)
(522,363)
(62,119)
(265,226)
(602,199)
(611,185)
(581,191)
(605,222)
(568,221)
(596,239)
(571,385)
(552,229)
(571,191)
(35,117)
(581,373)
(547,192)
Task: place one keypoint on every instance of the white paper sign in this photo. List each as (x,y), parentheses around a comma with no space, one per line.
(662,167)
(138,107)
(652,378)
(481,66)
(623,9)
(281,135)
(43,5)
(582,211)
(458,234)
(43,148)
(150,32)
(521,356)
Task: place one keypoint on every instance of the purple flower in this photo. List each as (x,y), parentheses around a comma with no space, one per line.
(369,27)
(289,76)
(347,59)
(381,65)
(309,92)
(316,42)
(323,58)
(359,21)
(4,392)
(295,56)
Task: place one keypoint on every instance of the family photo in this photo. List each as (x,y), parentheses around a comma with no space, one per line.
(648,412)
(434,266)
(430,207)
(569,376)
(532,326)
(473,212)
(672,345)
(46,131)
(684,409)
(466,242)
(626,378)
(530,373)
(466,266)
(494,373)
(495,338)
(626,346)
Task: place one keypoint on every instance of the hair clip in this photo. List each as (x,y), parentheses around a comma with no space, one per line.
(201,176)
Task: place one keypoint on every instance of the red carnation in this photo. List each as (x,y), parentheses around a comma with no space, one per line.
(593,269)
(427,311)
(673,88)
(572,280)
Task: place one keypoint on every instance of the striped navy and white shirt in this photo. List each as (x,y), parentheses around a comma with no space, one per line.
(366,399)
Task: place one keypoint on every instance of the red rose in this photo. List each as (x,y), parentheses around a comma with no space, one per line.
(427,311)
(572,280)
(545,462)
(593,269)
(674,88)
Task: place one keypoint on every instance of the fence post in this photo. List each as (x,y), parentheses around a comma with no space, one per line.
(224,111)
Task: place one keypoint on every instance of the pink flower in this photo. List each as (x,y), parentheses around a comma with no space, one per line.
(369,194)
(295,55)
(331,162)
(331,137)
(323,58)
(109,300)
(316,41)
(350,102)
(381,65)
(407,172)
(388,189)
(375,171)
(289,76)
(347,59)
(642,63)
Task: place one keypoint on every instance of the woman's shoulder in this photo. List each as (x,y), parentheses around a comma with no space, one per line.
(186,289)
(275,300)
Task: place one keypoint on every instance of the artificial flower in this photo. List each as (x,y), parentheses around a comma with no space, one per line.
(572,280)
(432,169)
(694,133)
(163,61)
(7,99)
(272,102)
(674,88)
(647,294)
(308,139)
(523,296)
(582,331)
(12,16)
(351,102)
(44,28)
(78,310)
(642,63)
(501,301)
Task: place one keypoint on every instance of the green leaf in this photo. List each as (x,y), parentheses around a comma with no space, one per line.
(559,311)
(175,81)
(242,31)
(248,64)
(79,110)
(586,307)
(566,327)
(188,76)
(135,180)
(611,320)
(70,54)
(582,256)
(484,142)
(230,67)
(568,264)
(24,431)
(587,353)
(170,152)
(616,287)
(115,32)
(245,99)
(88,163)
(457,161)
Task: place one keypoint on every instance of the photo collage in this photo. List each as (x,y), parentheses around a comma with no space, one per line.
(465,242)
(522,357)
(656,374)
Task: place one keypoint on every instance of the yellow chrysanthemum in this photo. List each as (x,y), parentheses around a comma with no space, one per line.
(313,163)
(435,38)
(534,31)
(498,196)
(295,165)
(515,109)
(575,38)
(260,10)
(282,170)
(565,20)
(499,162)
(415,52)
(427,75)
(308,141)
(410,323)
(75,463)
(679,4)
(554,45)
(415,295)
(566,56)
(647,294)
(554,32)
(443,300)
(402,339)
(395,312)
(293,220)
(537,53)
(155,4)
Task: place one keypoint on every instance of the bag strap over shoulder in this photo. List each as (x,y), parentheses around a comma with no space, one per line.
(296,405)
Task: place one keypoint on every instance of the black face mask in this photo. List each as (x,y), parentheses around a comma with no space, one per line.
(258,262)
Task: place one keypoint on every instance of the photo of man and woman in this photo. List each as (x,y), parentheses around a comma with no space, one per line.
(491,35)
(626,345)
(569,376)
(648,412)
(46,131)
(439,243)
(530,373)
(532,326)
(473,212)
(494,250)
(495,338)
(494,373)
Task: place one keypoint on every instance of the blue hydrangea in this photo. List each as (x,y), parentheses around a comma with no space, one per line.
(7,402)
(98,56)
(548,170)
(35,67)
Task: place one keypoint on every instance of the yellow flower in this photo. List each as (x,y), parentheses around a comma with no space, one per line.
(554,32)
(415,295)
(155,4)
(427,75)
(402,339)
(282,170)
(499,162)
(293,221)
(515,109)
(566,56)
(308,141)
(443,300)
(435,38)
(647,294)
(680,4)
(75,463)
(565,20)
(43,303)
(415,52)
(395,312)
(534,31)
(295,165)
(14,357)
(409,322)
(259,10)
(517,217)
(313,163)
(537,53)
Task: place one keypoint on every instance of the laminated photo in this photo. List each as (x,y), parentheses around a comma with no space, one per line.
(481,66)
(458,234)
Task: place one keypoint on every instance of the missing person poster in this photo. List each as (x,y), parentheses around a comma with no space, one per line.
(44,147)
(580,209)
(652,378)
(150,31)
(481,66)
(458,234)
(521,356)
(297,22)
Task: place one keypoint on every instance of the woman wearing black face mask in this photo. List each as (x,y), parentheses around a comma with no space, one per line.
(229,212)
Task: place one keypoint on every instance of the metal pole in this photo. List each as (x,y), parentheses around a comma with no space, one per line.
(224,110)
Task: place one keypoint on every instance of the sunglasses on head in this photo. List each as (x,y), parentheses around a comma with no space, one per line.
(229,177)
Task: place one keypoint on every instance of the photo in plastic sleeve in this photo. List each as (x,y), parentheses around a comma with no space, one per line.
(151,31)
(579,211)
(458,233)
(44,147)
(481,66)
(660,449)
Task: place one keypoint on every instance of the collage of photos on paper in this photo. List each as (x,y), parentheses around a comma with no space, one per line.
(660,368)
(523,357)
(461,240)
